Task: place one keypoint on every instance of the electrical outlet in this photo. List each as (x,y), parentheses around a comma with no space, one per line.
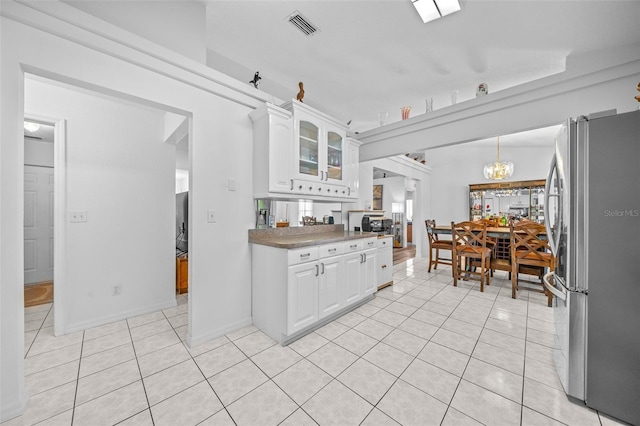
(77,216)
(117,290)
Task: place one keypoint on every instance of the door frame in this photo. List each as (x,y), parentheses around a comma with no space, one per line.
(59,214)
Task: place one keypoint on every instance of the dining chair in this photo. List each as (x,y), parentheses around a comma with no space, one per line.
(470,242)
(530,254)
(492,243)
(435,245)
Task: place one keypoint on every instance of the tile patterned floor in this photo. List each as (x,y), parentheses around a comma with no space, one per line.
(421,352)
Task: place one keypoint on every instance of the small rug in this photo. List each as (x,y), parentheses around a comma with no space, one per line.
(38,294)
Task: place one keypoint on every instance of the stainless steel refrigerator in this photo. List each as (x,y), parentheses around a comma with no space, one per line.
(593,220)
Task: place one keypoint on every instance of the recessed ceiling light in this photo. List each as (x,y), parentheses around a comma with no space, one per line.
(31,127)
(434,9)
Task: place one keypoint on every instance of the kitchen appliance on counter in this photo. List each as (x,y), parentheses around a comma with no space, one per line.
(592,214)
(379,225)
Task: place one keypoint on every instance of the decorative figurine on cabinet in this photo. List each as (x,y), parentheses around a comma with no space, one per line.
(256,79)
(482,90)
(300,94)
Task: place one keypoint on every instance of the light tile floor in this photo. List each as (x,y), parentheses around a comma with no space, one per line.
(421,352)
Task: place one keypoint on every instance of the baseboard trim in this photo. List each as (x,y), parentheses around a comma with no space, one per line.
(194,341)
(14,409)
(83,325)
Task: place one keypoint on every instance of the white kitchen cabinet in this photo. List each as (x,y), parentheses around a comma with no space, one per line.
(384,262)
(319,145)
(301,152)
(302,296)
(352,167)
(369,282)
(322,153)
(360,269)
(331,295)
(295,290)
(272,151)
(353,269)
(352,272)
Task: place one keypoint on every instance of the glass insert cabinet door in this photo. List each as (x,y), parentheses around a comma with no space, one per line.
(334,155)
(308,161)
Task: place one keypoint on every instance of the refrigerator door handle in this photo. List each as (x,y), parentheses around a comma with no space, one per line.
(554,239)
(562,295)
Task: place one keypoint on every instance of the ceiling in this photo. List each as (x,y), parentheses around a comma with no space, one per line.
(370,57)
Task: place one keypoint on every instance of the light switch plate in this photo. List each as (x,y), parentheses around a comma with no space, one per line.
(211,216)
(232,184)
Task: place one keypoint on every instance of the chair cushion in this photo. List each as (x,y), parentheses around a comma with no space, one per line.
(442,244)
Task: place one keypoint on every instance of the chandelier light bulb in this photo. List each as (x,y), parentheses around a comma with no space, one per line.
(500,169)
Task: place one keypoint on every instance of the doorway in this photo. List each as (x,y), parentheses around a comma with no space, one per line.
(39,146)
(114,204)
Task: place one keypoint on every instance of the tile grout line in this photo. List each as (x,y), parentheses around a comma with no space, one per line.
(206,379)
(135,354)
(75,394)
(348,328)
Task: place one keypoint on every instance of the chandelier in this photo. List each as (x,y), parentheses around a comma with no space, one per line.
(498,170)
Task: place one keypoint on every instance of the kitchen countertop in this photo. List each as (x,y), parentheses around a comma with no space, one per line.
(297,237)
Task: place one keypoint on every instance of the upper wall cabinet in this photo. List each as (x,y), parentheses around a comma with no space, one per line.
(308,154)
(272,150)
(319,145)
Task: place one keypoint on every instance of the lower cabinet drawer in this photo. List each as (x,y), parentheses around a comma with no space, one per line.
(328,250)
(301,255)
(351,246)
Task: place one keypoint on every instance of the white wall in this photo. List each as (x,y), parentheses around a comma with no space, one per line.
(456,167)
(120,171)
(220,149)
(393,191)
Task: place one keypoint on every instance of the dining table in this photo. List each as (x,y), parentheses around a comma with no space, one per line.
(501,257)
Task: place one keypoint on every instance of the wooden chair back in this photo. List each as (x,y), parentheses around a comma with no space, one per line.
(470,242)
(470,238)
(430,224)
(528,246)
(435,245)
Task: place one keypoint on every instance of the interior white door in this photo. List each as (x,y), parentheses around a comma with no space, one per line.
(38,224)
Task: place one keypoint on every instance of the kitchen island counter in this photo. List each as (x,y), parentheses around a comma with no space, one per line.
(297,237)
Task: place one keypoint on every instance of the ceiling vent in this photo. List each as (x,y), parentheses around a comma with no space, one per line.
(301,23)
